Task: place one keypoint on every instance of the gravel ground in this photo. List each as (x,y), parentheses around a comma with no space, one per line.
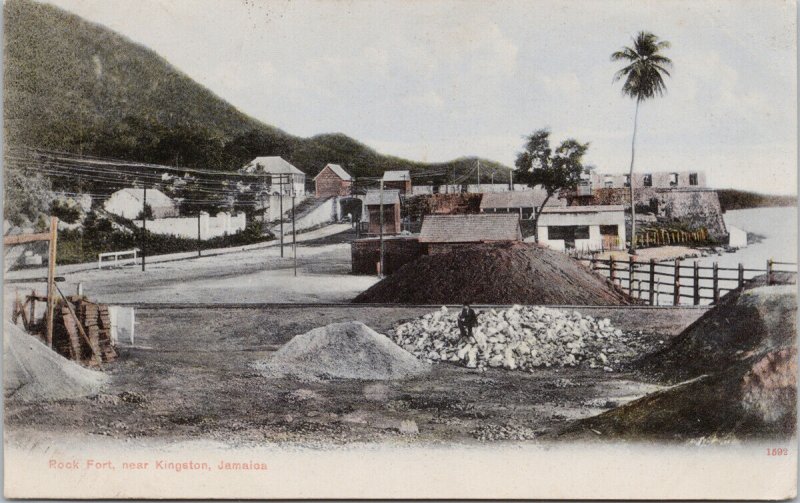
(190,378)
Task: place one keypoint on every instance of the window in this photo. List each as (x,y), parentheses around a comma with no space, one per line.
(609,230)
(569,233)
(647,180)
(673,179)
(527,213)
(627,182)
(608,182)
(692,178)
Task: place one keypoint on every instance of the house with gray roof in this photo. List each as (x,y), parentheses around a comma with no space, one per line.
(400,180)
(522,203)
(280,176)
(129,203)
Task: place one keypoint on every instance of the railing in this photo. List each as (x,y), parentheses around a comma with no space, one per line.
(668,283)
(659,237)
(127,257)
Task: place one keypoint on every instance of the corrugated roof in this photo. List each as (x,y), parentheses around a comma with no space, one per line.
(390,197)
(519,199)
(273,165)
(474,228)
(338,170)
(154,196)
(585,209)
(396,176)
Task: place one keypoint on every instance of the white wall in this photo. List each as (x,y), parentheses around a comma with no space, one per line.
(273,208)
(737,237)
(595,241)
(186,227)
(325,213)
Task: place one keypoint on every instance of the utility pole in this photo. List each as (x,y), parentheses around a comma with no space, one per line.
(479,175)
(381,231)
(51,279)
(144,226)
(198,234)
(281,210)
(511,180)
(294,235)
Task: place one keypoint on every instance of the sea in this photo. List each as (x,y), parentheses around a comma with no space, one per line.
(774,234)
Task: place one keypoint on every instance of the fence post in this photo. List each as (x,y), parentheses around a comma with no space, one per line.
(741,275)
(611,271)
(676,291)
(769,272)
(696,284)
(715,286)
(630,274)
(652,278)
(658,289)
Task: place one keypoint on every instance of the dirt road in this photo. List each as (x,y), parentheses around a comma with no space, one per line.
(251,275)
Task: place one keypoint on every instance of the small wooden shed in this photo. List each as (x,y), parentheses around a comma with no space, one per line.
(391,211)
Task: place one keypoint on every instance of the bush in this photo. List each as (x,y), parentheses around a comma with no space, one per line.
(100,235)
(65,212)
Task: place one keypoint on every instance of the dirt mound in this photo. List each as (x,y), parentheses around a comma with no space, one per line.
(745,323)
(35,372)
(495,274)
(755,398)
(348,350)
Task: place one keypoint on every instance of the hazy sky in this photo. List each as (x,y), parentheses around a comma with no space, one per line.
(434,80)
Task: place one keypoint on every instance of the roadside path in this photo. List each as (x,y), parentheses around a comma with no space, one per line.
(41,272)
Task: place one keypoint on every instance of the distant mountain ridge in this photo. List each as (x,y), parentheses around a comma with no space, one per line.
(71,85)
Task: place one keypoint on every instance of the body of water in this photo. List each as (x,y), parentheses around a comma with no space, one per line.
(777,228)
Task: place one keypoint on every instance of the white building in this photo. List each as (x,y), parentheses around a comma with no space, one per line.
(583,228)
(280,176)
(129,203)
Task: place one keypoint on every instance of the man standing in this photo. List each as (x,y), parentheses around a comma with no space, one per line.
(467,319)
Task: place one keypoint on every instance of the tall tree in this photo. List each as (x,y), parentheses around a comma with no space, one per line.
(643,74)
(554,172)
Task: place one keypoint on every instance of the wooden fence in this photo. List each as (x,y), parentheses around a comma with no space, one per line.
(659,237)
(674,283)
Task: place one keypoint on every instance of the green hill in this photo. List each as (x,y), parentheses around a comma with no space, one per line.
(75,86)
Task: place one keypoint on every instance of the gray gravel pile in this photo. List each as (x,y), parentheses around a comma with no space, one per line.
(521,338)
(348,350)
(34,372)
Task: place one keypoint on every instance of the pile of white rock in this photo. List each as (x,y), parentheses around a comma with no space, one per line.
(522,338)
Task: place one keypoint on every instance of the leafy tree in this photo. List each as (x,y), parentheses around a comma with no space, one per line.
(147,212)
(644,79)
(553,171)
(27,195)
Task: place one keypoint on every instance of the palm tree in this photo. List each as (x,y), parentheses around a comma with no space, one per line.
(644,79)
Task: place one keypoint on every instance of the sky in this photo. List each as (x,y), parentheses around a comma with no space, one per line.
(440,79)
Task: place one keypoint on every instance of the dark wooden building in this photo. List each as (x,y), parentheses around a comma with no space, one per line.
(441,233)
(333,181)
(391,212)
(399,180)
